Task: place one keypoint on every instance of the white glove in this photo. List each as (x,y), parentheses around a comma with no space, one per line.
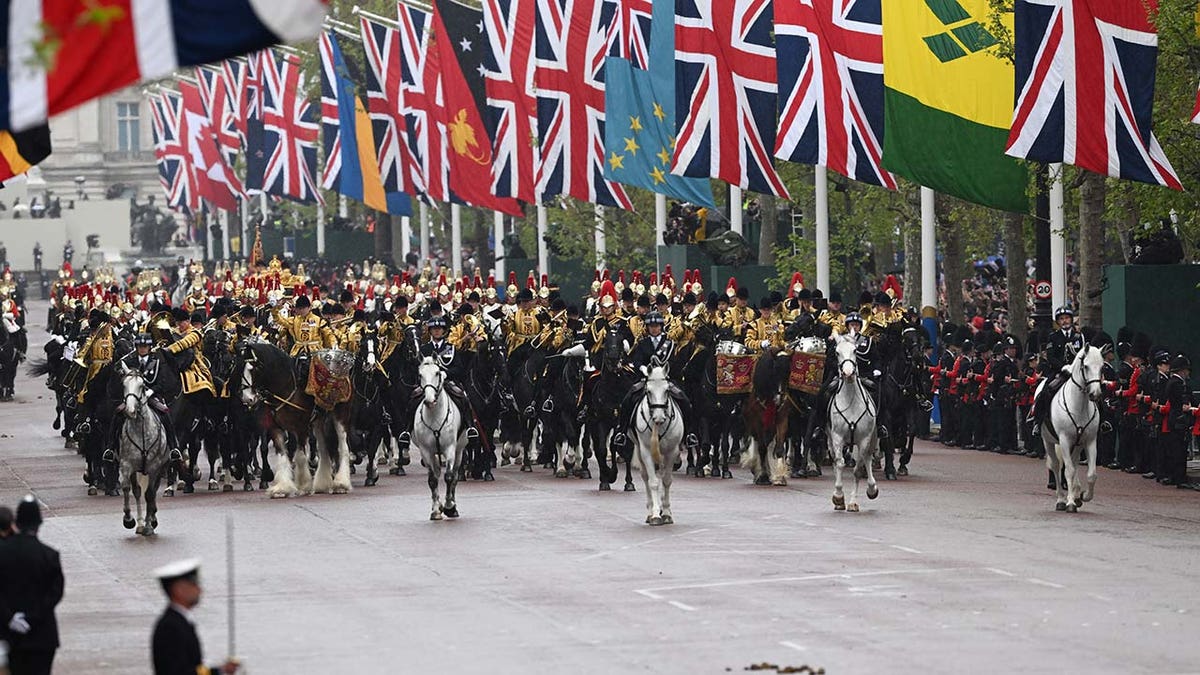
(765,344)
(875,373)
(18,624)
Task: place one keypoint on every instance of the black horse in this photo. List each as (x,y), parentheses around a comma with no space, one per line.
(222,435)
(903,391)
(517,427)
(605,389)
(97,410)
(12,350)
(486,388)
(400,366)
(369,418)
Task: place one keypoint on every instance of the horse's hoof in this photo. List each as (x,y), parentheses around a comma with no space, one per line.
(872,492)
(526,468)
(147,531)
(814,473)
(902,471)
(248,487)
(488,477)
(668,520)
(654,520)
(227,488)
(340,490)
(726,473)
(839,500)
(129,523)
(114,492)
(852,508)
(1071,508)
(605,487)
(691,471)
(1060,506)
(889,475)
(277,494)
(169,492)
(779,482)
(839,507)
(1078,502)
(762,480)
(371,481)
(189,489)
(561,473)
(139,529)
(213,486)
(395,471)
(92,492)
(796,473)
(630,488)
(436,515)
(451,512)
(504,460)
(263,485)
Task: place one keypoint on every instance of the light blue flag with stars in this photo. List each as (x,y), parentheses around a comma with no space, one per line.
(639,126)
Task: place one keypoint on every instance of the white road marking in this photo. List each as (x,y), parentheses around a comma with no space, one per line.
(681,605)
(792,645)
(1001,572)
(1043,582)
(653,593)
(906,549)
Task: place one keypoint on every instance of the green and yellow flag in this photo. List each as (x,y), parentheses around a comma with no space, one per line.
(948,102)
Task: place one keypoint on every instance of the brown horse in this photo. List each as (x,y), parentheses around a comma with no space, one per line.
(270,386)
(766,413)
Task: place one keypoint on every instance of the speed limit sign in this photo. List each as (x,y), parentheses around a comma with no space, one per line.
(1041,290)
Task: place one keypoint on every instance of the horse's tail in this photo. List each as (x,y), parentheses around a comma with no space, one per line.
(39,367)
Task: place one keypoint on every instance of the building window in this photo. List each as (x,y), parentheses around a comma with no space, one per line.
(129,137)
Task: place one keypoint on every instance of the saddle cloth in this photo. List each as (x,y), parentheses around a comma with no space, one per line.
(806,372)
(329,378)
(735,373)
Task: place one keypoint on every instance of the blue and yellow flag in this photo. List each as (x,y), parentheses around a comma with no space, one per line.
(639,126)
(351,162)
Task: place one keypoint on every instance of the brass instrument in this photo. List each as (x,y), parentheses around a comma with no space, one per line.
(161,326)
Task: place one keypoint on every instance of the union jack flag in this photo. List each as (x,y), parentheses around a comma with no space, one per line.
(512,105)
(725,84)
(422,103)
(290,125)
(174,165)
(629,32)
(385,104)
(215,96)
(830,64)
(235,89)
(570,51)
(1085,88)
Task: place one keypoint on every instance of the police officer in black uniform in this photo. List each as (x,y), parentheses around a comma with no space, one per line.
(1061,347)
(655,345)
(159,390)
(456,367)
(31,586)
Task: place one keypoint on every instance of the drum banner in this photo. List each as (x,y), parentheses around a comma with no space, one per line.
(806,372)
(329,378)
(735,373)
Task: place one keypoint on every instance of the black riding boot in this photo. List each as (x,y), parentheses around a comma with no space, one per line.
(114,439)
(172,439)
(625,419)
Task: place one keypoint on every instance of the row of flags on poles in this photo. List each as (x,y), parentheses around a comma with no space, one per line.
(522,101)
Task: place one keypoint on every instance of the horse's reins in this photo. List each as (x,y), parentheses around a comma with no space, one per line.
(1095,408)
(437,433)
(861,391)
(263,393)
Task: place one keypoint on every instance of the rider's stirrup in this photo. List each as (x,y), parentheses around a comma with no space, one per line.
(548,406)
(109,456)
(619,438)
(175,456)
(472,433)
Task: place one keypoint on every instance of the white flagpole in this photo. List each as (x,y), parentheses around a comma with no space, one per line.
(498,235)
(405,239)
(928,249)
(227,232)
(735,209)
(321,229)
(424,235)
(456,240)
(1058,244)
(208,236)
(246,227)
(660,227)
(601,237)
(543,250)
(822,203)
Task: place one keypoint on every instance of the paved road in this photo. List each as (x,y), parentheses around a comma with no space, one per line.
(963,565)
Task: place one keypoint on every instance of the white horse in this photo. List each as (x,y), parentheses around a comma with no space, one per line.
(657,433)
(1072,426)
(142,453)
(439,435)
(851,427)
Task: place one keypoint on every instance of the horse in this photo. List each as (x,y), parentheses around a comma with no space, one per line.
(722,432)
(851,427)
(559,413)
(517,429)
(605,389)
(1073,425)
(766,417)
(96,412)
(898,395)
(13,344)
(367,410)
(63,376)
(400,365)
(658,432)
(270,384)
(485,389)
(221,436)
(440,435)
(142,452)
(797,408)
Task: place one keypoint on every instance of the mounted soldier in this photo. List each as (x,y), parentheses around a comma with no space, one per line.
(655,346)
(307,331)
(866,355)
(456,366)
(187,345)
(159,390)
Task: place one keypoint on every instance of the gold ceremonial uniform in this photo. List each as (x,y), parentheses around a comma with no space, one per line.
(761,329)
(835,320)
(600,326)
(523,327)
(96,353)
(740,319)
(197,376)
(308,333)
(556,333)
(467,333)
(879,321)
